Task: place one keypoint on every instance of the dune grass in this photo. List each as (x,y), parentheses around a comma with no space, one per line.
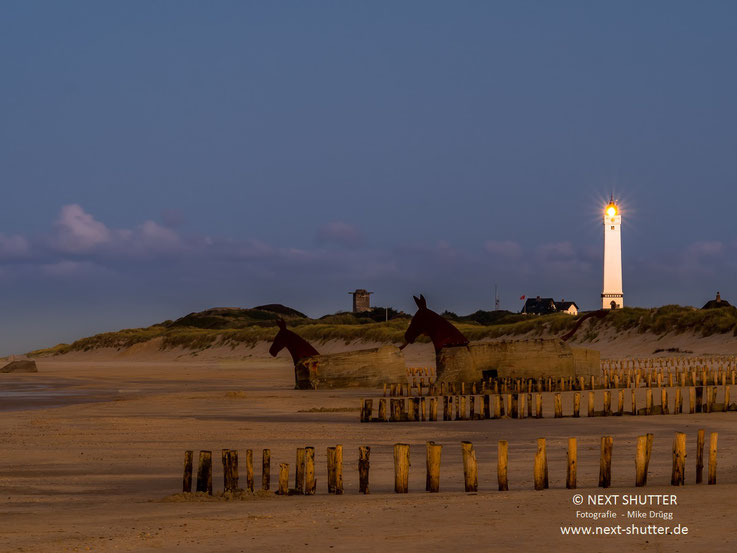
(188,332)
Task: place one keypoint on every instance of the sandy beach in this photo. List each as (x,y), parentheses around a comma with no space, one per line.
(94,443)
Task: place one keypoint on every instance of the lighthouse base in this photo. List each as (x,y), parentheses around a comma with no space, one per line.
(612,301)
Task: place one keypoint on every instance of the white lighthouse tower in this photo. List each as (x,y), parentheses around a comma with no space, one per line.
(611,295)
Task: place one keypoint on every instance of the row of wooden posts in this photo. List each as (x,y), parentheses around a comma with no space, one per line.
(520,405)
(675,362)
(306,484)
(609,379)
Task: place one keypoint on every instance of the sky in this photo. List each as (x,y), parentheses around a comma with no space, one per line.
(163,157)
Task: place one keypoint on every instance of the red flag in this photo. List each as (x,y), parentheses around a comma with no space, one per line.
(522,297)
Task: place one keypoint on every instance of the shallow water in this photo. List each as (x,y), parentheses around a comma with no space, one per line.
(18,396)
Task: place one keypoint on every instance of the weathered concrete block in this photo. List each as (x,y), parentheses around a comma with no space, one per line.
(362,368)
(515,359)
(20,366)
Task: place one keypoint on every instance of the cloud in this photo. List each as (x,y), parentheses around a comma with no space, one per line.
(73,269)
(339,233)
(699,249)
(78,231)
(556,250)
(13,246)
(506,248)
(155,260)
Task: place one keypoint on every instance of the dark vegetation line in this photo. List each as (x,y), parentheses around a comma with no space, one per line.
(235,326)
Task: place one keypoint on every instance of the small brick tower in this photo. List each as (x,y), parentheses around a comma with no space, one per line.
(361,300)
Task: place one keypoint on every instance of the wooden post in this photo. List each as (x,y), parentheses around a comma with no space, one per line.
(572,464)
(558,406)
(204,472)
(338,479)
(707,393)
(249,470)
(577,404)
(401,468)
(299,472)
(540,472)
(501,465)
(649,401)
(411,412)
(331,470)
(591,402)
(446,408)
(726,398)
(497,406)
(266,469)
(187,479)
(227,476)
(529,405)
(664,401)
(678,476)
(700,456)
(366,408)
(692,399)
(432,482)
(521,406)
(283,479)
(514,409)
(605,465)
(713,458)
(607,403)
(539,405)
(471,407)
(620,402)
(678,407)
(233,463)
(396,410)
(508,406)
(433,409)
(641,461)
(382,410)
(634,401)
(310,482)
(487,406)
(470,468)
(364,454)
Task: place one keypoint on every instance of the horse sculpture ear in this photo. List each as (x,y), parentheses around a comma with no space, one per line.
(421,303)
(281,324)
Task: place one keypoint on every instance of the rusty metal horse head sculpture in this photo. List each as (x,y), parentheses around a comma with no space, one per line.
(297,346)
(427,322)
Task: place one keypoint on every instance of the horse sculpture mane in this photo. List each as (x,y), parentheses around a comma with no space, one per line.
(298,347)
(427,322)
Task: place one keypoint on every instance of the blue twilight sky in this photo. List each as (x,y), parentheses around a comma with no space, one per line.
(161,157)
